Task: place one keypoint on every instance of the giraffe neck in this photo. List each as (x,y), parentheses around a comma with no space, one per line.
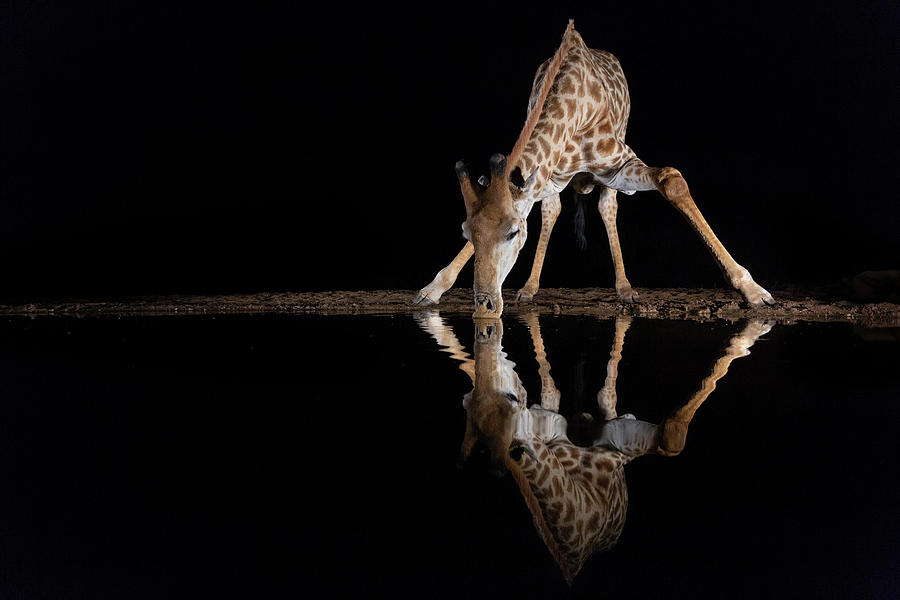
(545,149)
(551,138)
(581,498)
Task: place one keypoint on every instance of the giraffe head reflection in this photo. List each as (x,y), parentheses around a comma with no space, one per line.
(576,494)
(497,402)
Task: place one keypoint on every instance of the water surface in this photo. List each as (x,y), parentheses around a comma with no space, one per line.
(177,456)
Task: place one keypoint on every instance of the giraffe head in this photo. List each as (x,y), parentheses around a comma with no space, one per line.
(495,216)
(496,229)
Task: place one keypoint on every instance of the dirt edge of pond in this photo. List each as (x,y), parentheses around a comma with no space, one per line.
(792,304)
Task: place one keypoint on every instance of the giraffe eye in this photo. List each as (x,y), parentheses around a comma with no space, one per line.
(511,235)
(512,396)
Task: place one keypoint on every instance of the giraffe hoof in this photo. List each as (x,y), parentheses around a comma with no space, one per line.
(422,299)
(429,295)
(525,295)
(627,295)
(756,328)
(757,296)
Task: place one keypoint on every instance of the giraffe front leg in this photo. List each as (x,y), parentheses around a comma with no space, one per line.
(672,185)
(550,208)
(634,175)
(443,281)
(608,207)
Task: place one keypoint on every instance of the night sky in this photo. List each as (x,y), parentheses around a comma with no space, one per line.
(161,149)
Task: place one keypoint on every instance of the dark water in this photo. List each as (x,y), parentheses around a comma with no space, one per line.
(268,456)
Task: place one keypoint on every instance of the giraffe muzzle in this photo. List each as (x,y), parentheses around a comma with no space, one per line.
(485,331)
(486,306)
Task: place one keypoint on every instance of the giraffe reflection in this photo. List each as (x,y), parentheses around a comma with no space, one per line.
(576,493)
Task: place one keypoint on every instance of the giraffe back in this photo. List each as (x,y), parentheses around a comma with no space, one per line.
(583,120)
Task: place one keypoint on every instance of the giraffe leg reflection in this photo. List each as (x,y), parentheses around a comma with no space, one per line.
(673,431)
(549,392)
(606,397)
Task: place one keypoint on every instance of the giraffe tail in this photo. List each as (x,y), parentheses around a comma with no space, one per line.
(581,200)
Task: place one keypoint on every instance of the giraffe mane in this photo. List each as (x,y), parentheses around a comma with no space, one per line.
(535,115)
(540,523)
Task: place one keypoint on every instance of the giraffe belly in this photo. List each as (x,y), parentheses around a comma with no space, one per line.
(556,184)
(624,179)
(584,182)
(591,170)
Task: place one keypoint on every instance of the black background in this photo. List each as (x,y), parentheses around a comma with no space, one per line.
(239,147)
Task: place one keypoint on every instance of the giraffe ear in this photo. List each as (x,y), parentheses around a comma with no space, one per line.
(531,179)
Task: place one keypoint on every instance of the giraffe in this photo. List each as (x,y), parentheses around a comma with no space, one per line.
(577,495)
(574,135)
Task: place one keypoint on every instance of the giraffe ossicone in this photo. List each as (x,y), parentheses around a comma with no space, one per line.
(574,134)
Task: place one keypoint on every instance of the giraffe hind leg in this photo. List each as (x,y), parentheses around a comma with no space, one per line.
(607,399)
(608,207)
(550,209)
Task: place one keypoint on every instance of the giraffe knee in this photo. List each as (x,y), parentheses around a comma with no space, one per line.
(671,184)
(608,206)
